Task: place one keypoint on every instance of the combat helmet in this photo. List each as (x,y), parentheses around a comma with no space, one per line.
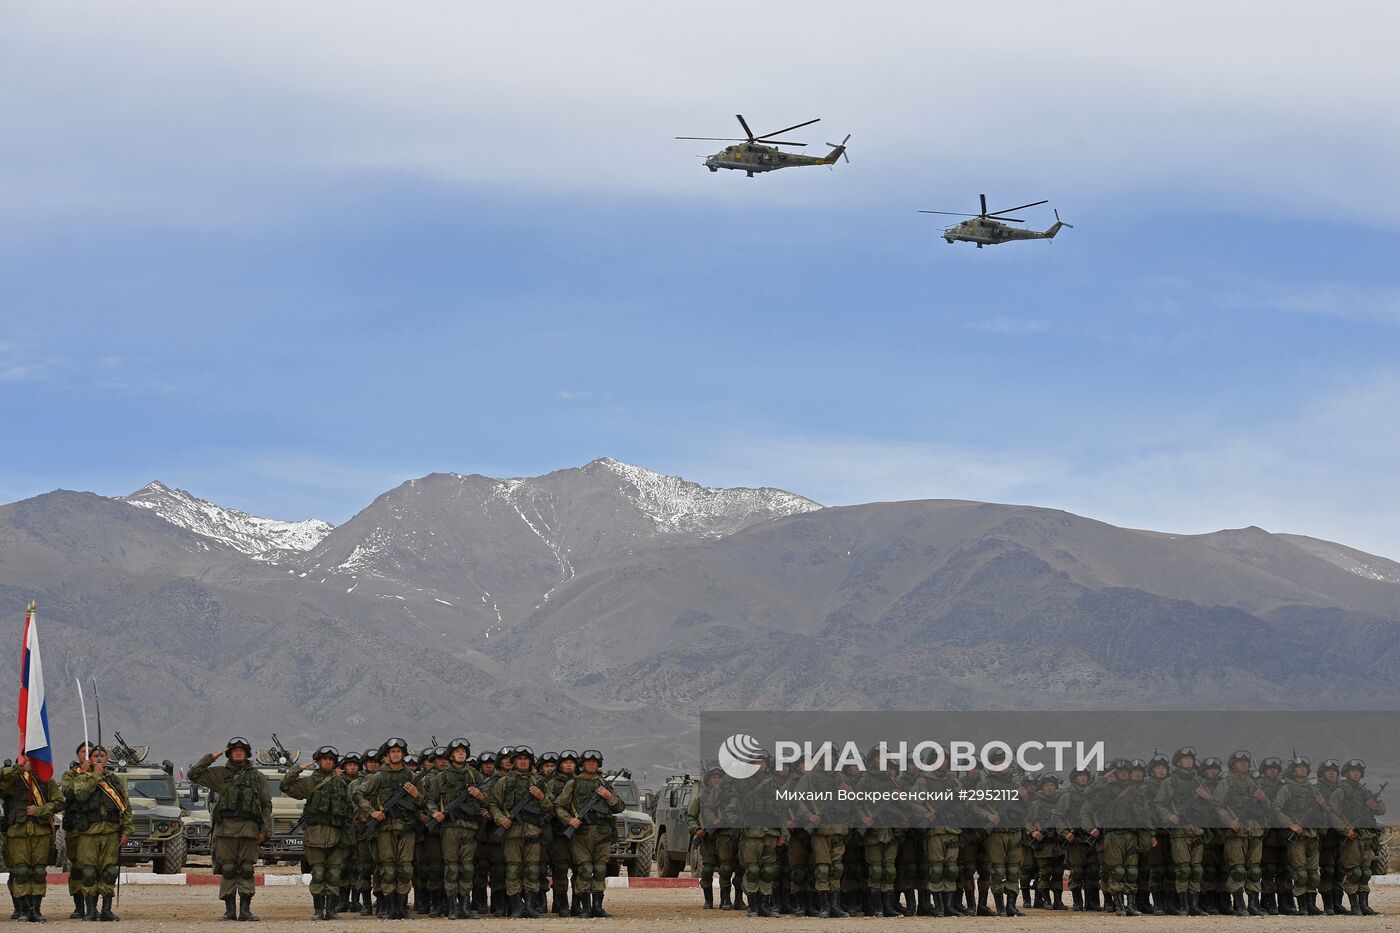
(327,751)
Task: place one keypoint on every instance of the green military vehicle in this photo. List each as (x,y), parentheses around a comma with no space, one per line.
(634,833)
(158,833)
(198,825)
(672,829)
(286,842)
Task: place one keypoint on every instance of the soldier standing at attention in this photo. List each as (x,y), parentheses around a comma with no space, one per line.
(75,889)
(1069,807)
(99,815)
(703,817)
(1329,842)
(427,856)
(1006,818)
(521,821)
(1114,811)
(485,833)
(1274,882)
(1246,809)
(242,821)
(457,807)
(390,798)
(1179,804)
(593,827)
(878,839)
(1354,810)
(350,870)
(556,847)
(30,804)
(329,819)
(366,878)
(1305,810)
(1046,833)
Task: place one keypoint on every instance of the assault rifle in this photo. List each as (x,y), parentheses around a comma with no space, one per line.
(526,799)
(372,826)
(593,803)
(453,806)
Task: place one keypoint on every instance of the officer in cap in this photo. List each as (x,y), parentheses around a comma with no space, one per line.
(242,821)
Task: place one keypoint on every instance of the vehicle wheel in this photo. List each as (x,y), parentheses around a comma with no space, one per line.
(172,858)
(666,867)
(614,868)
(640,867)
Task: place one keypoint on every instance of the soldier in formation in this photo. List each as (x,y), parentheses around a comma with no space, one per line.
(328,817)
(30,805)
(97,822)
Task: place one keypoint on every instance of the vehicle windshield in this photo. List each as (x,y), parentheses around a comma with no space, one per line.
(161,789)
(628,793)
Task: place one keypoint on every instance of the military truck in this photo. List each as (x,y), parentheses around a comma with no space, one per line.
(286,842)
(672,829)
(158,834)
(634,833)
(198,825)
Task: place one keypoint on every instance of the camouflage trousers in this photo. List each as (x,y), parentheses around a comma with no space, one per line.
(234,859)
(1118,849)
(27,858)
(427,863)
(1157,861)
(458,857)
(490,862)
(1188,851)
(521,851)
(1244,856)
(972,860)
(556,853)
(799,860)
(910,867)
(1083,861)
(828,854)
(327,865)
(1329,851)
(880,860)
(1003,855)
(727,851)
(709,860)
(1273,863)
(1049,866)
(1354,860)
(361,869)
(96,859)
(1304,867)
(393,859)
(589,849)
(940,861)
(759,856)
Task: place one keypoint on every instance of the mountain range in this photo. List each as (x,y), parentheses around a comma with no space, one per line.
(607,604)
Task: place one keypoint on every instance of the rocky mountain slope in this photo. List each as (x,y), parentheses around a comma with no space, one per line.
(259,538)
(607,604)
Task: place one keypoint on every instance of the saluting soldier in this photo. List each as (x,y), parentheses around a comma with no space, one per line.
(98,815)
(593,827)
(518,806)
(456,804)
(391,798)
(30,803)
(329,817)
(242,821)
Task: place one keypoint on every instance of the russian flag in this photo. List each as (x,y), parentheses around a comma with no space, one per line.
(33,710)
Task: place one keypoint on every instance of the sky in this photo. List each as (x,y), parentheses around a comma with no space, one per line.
(286,256)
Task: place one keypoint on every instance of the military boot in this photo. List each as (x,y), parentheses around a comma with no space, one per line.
(36,909)
(1286,904)
(598,910)
(752,908)
(739,895)
(230,911)
(1366,907)
(318,907)
(333,904)
(1011,909)
(1159,903)
(366,904)
(1091,899)
(871,905)
(531,905)
(891,905)
(381,905)
(1193,904)
(1237,904)
(107,916)
(982,909)
(1337,907)
(1026,894)
(1000,900)
(79,908)
(466,909)
(17,903)
(245,908)
(922,907)
(952,903)
(1252,904)
(90,907)
(1057,900)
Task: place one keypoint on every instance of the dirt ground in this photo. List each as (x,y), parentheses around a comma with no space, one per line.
(289,908)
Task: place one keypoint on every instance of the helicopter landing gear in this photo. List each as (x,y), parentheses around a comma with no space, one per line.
(750,174)
(713,169)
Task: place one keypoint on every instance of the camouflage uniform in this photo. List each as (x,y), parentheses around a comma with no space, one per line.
(1049,855)
(458,833)
(828,852)
(1003,846)
(97,815)
(1298,801)
(29,839)
(940,842)
(490,858)
(1185,813)
(758,845)
(1354,812)
(880,844)
(1273,862)
(1079,852)
(592,840)
(1329,843)
(1115,809)
(363,877)
(75,889)
(704,817)
(427,851)
(556,844)
(520,844)
(242,813)
(972,858)
(1237,797)
(329,831)
(394,840)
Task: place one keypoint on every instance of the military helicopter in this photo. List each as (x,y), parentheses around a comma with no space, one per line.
(761,153)
(995,227)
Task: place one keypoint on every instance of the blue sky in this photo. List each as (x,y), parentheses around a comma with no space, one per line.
(288,258)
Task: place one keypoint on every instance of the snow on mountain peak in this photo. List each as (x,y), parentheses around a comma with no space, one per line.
(259,538)
(678,505)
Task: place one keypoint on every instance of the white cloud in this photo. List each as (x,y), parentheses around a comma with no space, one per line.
(1010,326)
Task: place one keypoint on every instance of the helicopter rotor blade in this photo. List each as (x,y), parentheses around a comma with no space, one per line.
(777,142)
(745,125)
(984,205)
(1010,220)
(951,213)
(784,130)
(1018,207)
(718,139)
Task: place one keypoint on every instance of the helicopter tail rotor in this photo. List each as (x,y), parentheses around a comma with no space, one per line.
(838,151)
(1056,226)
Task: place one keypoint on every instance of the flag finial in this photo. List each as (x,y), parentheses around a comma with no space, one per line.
(32,605)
